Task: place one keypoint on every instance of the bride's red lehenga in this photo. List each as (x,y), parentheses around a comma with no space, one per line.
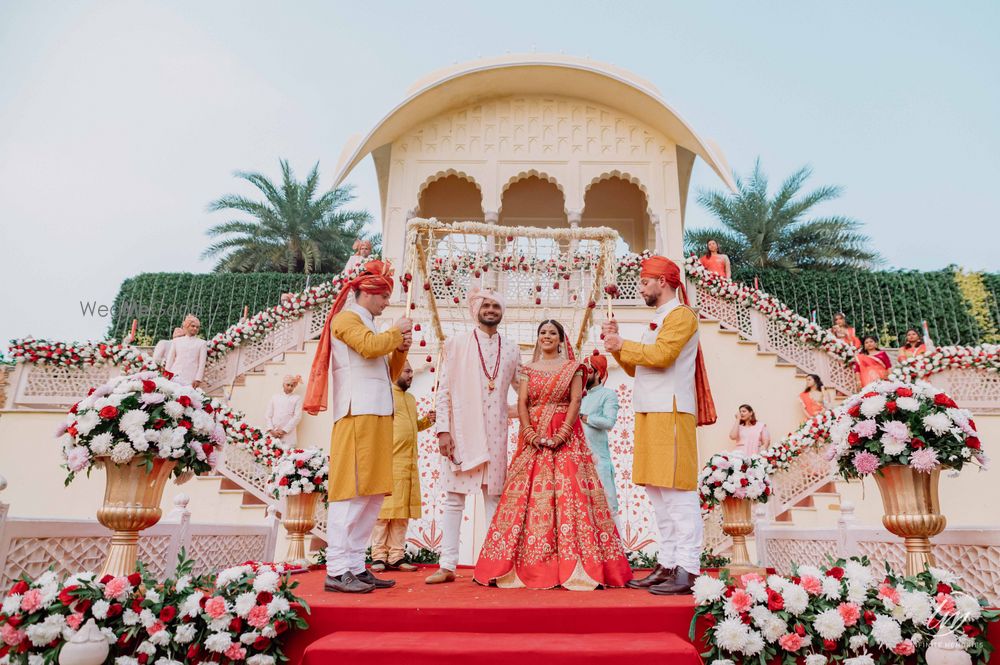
(553,526)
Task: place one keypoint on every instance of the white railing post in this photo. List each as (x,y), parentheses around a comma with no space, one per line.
(761,527)
(847,541)
(4,540)
(180,536)
(758,328)
(273,524)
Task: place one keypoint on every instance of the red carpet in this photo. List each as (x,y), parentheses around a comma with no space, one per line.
(451,623)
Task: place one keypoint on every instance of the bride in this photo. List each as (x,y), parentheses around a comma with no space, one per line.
(553,526)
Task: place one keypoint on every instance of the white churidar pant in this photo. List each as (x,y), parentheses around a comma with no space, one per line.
(678,518)
(349,525)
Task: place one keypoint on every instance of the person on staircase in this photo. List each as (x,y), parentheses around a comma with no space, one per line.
(813,399)
(188,354)
(389,535)
(598,413)
(362,250)
(715,262)
(478,369)
(751,435)
(162,347)
(842,331)
(914,345)
(284,412)
(671,397)
(362,363)
(872,362)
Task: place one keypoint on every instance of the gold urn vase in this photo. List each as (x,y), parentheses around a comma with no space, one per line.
(299,519)
(912,511)
(131,503)
(737,523)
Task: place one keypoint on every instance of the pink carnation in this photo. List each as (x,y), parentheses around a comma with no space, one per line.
(258,617)
(924,460)
(11,636)
(812,585)
(747,578)
(790,642)
(31,601)
(741,601)
(156,627)
(235,652)
(117,587)
(945,603)
(865,463)
(888,592)
(850,613)
(904,648)
(74,620)
(215,606)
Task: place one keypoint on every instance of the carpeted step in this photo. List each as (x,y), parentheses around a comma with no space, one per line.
(445,648)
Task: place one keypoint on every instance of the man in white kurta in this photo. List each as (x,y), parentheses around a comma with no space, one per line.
(162,347)
(478,369)
(284,412)
(188,354)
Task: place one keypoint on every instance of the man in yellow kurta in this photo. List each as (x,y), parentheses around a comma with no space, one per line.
(670,397)
(389,535)
(363,364)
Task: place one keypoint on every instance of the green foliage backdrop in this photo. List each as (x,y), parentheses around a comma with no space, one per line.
(161,300)
(883,303)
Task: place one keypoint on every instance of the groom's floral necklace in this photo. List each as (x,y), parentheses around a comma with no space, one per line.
(491,380)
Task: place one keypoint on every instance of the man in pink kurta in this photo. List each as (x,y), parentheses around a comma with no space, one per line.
(478,368)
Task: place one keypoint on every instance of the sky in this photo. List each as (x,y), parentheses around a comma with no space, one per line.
(121,120)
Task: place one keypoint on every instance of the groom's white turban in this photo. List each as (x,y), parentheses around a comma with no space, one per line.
(477,296)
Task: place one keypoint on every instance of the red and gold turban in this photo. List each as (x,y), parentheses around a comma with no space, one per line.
(376,279)
(660,266)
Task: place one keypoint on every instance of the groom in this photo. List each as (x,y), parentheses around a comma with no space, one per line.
(471,426)
(671,396)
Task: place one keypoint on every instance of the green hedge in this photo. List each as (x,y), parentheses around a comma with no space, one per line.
(161,300)
(884,304)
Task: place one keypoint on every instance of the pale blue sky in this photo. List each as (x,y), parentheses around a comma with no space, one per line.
(120,121)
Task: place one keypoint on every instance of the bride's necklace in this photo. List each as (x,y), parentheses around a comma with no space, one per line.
(491,380)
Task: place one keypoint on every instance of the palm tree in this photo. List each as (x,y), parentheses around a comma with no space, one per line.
(292,230)
(761,231)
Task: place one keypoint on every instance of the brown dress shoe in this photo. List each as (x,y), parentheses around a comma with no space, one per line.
(440,576)
(400,565)
(680,585)
(347,583)
(658,576)
(377,582)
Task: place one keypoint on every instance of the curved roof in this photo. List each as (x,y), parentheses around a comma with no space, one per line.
(468,83)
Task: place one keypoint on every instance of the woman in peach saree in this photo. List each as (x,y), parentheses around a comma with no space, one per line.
(552,527)
(873,363)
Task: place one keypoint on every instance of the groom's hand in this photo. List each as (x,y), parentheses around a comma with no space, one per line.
(404,325)
(613,343)
(609,327)
(446,445)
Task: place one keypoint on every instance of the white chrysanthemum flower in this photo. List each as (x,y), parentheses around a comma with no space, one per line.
(774,629)
(278,605)
(760,615)
(100,609)
(167,661)
(266,580)
(218,642)
(192,604)
(133,419)
(832,588)
(707,589)
(11,604)
(160,638)
(220,624)
(916,639)
(173,409)
(916,606)
(146,647)
(796,599)
(126,660)
(248,638)
(40,634)
(967,606)
(829,624)
(886,631)
(153,595)
(147,618)
(855,571)
(717,661)
(260,659)
(908,403)
(731,635)
(34,658)
(130,617)
(863,659)
(943,575)
(809,571)
(185,633)
(891,446)
(269,632)
(872,406)
(87,422)
(230,575)
(757,591)
(776,582)
(183,583)
(856,593)
(122,453)
(244,603)
(100,444)
(815,659)
(938,423)
(858,642)
(754,644)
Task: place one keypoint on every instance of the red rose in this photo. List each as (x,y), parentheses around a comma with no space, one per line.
(261,643)
(973,442)
(15,620)
(143,658)
(800,630)
(83,606)
(186,424)
(123,640)
(66,595)
(184,401)
(159,423)
(236,625)
(299,463)
(854,411)
(317,480)
(72,409)
(20,587)
(836,572)
(115,610)
(890,407)
(971,631)
(168,613)
(193,651)
(943,588)
(869,617)
(137,604)
(943,400)
(71,430)
(917,443)
(264,597)
(208,408)
(207,448)
(853,438)
(745,618)
(775,602)
(148,386)
(280,627)
(134,579)
(933,623)
(829,645)
(284,481)
(904,392)
(108,412)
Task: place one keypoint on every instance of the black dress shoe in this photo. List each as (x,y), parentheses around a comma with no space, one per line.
(680,585)
(658,576)
(347,583)
(377,582)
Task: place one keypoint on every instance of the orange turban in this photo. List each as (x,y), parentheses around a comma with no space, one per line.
(376,279)
(660,266)
(599,364)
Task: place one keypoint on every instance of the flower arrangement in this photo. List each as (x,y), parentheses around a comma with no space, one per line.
(791,323)
(845,611)
(142,415)
(813,433)
(300,472)
(243,614)
(734,476)
(985,357)
(910,424)
(241,435)
(80,354)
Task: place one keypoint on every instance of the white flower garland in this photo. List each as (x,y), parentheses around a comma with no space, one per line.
(985,357)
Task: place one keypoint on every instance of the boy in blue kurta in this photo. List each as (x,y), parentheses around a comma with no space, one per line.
(598,412)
